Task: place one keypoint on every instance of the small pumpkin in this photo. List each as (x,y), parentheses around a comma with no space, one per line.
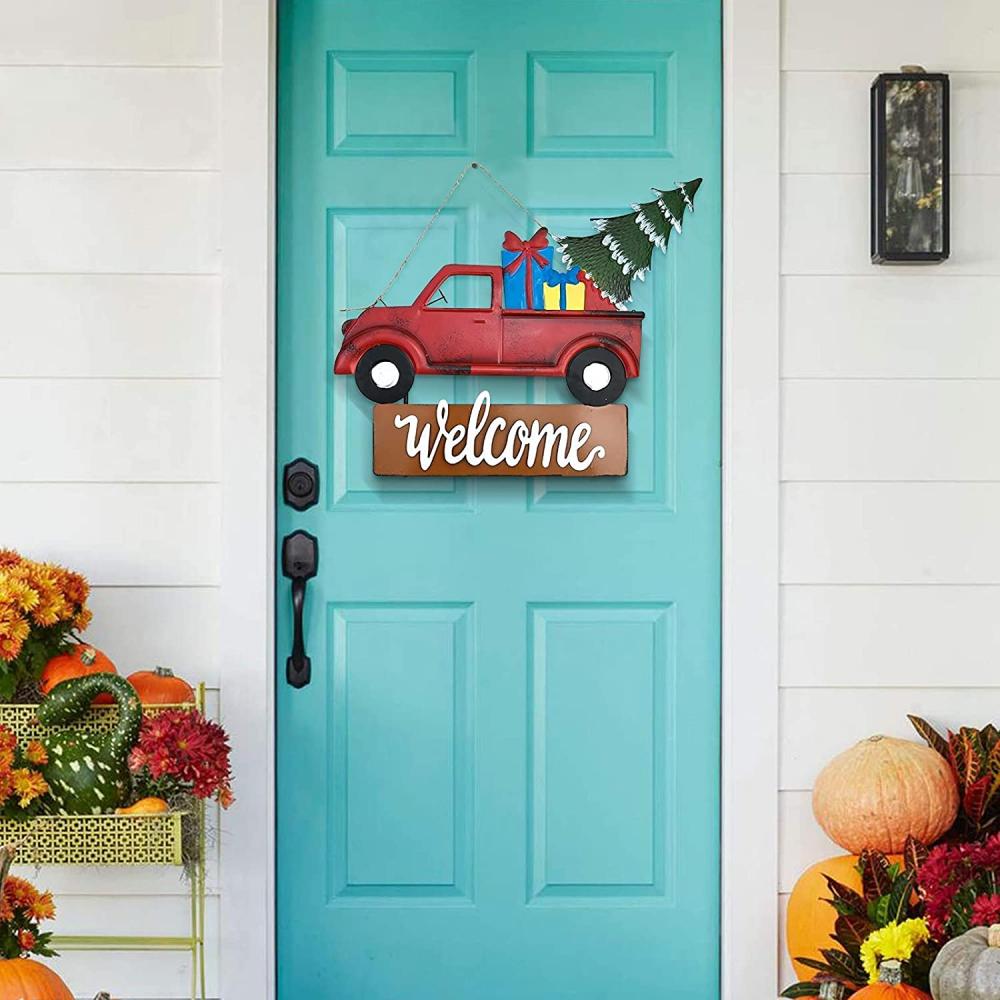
(882,790)
(161,686)
(144,807)
(968,967)
(79,660)
(890,986)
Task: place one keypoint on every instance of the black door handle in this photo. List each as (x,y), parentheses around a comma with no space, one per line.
(299,561)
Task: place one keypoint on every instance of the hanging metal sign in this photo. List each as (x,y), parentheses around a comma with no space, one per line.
(527,318)
(507,440)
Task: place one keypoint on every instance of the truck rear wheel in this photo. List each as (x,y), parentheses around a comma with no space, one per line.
(596,376)
(384,374)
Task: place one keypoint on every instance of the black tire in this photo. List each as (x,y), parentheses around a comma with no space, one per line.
(379,393)
(596,356)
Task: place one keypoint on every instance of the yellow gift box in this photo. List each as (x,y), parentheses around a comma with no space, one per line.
(563,295)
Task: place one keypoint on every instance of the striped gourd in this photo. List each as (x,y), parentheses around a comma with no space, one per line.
(88,774)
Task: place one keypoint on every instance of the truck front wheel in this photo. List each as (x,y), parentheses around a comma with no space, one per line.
(384,374)
(596,376)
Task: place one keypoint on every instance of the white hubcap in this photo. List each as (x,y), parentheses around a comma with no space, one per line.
(385,374)
(596,376)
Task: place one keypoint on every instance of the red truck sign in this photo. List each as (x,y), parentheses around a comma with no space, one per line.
(387,346)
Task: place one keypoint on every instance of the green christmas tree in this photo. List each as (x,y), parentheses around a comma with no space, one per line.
(622,247)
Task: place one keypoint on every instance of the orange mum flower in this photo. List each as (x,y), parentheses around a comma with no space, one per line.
(75,587)
(36,753)
(26,940)
(28,785)
(20,892)
(8,743)
(42,908)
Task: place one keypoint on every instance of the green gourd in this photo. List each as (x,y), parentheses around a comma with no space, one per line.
(88,773)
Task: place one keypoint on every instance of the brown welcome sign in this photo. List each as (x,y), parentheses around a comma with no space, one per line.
(445,439)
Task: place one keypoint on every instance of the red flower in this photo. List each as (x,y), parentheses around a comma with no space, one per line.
(185,745)
(985,911)
(957,883)
(26,940)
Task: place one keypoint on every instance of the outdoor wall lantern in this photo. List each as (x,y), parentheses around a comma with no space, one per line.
(909,170)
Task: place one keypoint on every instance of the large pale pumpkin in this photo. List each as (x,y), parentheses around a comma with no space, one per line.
(810,919)
(883,790)
(968,967)
(26,979)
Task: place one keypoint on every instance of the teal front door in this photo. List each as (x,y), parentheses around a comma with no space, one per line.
(502,782)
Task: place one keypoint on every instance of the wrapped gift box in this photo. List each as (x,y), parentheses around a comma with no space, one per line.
(524,264)
(563,289)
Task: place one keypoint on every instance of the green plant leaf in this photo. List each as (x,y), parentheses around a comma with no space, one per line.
(878,911)
(8,683)
(814,963)
(914,854)
(975,797)
(850,932)
(802,990)
(844,966)
(876,880)
(989,734)
(930,735)
(963,759)
(842,894)
(899,899)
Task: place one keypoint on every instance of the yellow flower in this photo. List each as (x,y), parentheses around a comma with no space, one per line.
(28,785)
(892,941)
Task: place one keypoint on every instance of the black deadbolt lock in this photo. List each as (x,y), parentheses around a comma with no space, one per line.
(301,484)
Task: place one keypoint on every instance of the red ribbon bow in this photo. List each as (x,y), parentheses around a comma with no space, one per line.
(528,251)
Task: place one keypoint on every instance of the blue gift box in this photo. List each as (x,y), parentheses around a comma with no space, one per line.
(525,263)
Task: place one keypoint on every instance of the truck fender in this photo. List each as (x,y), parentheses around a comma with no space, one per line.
(613,344)
(354,347)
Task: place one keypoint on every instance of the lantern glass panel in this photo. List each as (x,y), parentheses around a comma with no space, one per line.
(915,164)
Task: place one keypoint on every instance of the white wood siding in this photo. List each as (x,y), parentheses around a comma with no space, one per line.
(890,396)
(109,369)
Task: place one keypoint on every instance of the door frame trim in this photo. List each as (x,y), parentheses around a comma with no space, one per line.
(751,60)
(750,495)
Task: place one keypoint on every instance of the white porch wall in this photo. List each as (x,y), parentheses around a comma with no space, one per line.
(890,398)
(109,372)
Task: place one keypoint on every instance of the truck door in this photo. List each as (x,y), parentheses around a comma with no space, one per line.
(460,322)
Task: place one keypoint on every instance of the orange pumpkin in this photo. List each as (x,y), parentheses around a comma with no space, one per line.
(889,986)
(810,919)
(160,686)
(882,790)
(79,661)
(26,979)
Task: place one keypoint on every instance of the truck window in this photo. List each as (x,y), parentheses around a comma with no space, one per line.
(463,291)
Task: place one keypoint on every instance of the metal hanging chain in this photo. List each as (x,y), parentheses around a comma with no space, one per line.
(472,165)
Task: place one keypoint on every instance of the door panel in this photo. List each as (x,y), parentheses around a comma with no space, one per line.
(503,779)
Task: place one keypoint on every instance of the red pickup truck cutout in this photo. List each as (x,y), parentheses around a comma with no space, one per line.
(387,346)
